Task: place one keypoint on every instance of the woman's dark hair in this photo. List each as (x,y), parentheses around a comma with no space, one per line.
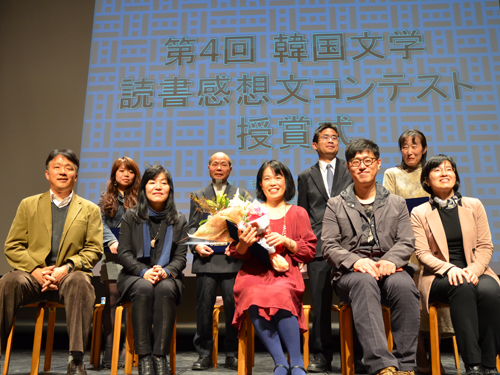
(360,145)
(109,200)
(142,211)
(433,163)
(413,133)
(67,153)
(322,127)
(278,168)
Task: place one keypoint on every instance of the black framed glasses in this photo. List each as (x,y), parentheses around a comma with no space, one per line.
(366,161)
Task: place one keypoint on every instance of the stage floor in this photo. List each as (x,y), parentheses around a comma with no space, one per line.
(21,361)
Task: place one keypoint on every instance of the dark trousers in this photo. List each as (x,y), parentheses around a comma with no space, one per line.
(321,292)
(206,294)
(474,313)
(18,288)
(153,305)
(366,295)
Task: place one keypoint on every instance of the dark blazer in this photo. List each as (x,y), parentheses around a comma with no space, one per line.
(216,263)
(132,243)
(313,196)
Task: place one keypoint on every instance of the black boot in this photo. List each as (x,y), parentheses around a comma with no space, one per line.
(142,322)
(160,365)
(146,366)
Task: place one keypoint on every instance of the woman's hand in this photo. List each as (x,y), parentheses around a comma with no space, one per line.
(150,275)
(155,275)
(276,239)
(247,238)
(114,247)
(472,278)
(457,275)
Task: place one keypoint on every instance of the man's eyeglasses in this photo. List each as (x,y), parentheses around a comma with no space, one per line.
(366,161)
(326,137)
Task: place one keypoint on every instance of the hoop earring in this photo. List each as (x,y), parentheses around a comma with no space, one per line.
(115,184)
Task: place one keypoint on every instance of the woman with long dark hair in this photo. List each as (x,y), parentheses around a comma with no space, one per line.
(152,262)
(120,195)
(454,246)
(274,299)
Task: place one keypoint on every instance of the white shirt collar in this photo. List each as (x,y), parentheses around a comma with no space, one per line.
(322,164)
(221,190)
(59,203)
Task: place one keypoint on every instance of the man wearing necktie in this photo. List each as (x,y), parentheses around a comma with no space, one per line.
(318,183)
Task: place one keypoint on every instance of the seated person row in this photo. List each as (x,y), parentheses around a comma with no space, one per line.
(453,244)
(153,262)
(54,242)
(368,240)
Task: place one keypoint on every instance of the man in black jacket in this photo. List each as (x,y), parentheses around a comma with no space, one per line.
(213,268)
(318,183)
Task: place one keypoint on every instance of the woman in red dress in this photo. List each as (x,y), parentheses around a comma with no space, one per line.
(274,299)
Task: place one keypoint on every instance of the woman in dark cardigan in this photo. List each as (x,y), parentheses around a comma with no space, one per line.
(152,262)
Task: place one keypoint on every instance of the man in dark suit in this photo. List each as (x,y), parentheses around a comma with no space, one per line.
(214,268)
(318,183)
(54,242)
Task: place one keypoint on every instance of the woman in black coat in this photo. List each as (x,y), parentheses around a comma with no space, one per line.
(152,262)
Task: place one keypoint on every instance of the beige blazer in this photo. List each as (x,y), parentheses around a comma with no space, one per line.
(431,246)
(29,239)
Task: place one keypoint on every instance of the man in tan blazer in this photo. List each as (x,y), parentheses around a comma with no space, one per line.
(53,243)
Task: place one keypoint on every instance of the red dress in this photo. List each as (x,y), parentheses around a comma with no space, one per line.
(268,289)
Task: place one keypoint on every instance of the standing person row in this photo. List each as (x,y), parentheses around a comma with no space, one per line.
(120,195)
(214,270)
(54,242)
(404,180)
(316,185)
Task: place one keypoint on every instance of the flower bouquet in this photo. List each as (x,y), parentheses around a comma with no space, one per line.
(257,216)
(241,213)
(220,209)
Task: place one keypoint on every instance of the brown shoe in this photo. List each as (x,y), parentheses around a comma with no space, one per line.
(76,367)
(391,370)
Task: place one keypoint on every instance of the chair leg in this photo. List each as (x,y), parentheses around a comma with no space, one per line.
(215,334)
(386,313)
(173,348)
(37,341)
(346,340)
(498,364)
(251,347)
(49,341)
(95,349)
(455,351)
(434,341)
(116,340)
(305,336)
(8,349)
(246,346)
(129,343)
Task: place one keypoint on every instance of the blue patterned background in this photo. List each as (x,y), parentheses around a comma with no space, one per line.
(456,36)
